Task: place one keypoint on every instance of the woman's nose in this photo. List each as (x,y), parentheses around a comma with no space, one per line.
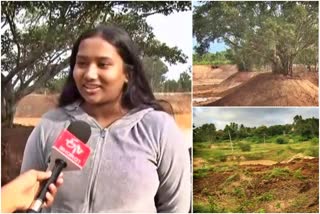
(92,72)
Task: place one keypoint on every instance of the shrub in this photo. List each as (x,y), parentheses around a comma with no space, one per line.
(281,140)
(278,172)
(245,147)
(219,156)
(315,141)
(254,156)
(312,151)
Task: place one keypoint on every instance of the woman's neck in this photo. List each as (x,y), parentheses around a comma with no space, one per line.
(106,113)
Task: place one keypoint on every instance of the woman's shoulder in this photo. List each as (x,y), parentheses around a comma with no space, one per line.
(158,117)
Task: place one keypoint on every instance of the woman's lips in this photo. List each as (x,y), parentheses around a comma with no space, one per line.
(91,88)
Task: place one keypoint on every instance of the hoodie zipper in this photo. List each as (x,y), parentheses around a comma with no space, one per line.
(103,135)
(96,166)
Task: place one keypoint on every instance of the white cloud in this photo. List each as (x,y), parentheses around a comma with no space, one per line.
(174,30)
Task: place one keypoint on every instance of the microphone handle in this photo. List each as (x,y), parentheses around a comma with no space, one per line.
(37,204)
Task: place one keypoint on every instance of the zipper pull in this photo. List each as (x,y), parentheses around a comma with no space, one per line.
(103,133)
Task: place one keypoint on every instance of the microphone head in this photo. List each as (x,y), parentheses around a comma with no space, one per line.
(71,147)
(80,130)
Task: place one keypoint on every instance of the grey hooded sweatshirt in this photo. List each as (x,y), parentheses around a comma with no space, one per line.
(138,164)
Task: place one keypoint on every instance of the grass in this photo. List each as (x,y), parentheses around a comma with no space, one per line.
(267,196)
(278,172)
(269,151)
(202,172)
(298,174)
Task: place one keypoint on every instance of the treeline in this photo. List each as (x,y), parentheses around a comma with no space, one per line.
(305,128)
(215,59)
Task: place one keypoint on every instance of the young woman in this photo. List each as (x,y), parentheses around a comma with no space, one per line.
(138,161)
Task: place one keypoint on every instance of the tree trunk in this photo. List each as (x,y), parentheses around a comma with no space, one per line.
(276,68)
(230,141)
(8,110)
(8,104)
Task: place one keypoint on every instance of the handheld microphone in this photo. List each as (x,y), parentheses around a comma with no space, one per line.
(69,152)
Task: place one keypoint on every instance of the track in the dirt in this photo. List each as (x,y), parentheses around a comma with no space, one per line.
(254,88)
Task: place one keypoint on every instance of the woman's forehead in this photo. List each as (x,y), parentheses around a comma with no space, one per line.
(96,47)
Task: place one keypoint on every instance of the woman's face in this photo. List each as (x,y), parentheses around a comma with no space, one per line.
(99,71)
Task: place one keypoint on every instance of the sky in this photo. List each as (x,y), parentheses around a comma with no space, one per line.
(174,30)
(215,46)
(250,116)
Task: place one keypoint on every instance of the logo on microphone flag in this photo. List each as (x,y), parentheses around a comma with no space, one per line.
(72,148)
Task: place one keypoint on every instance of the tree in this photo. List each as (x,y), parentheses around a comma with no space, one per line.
(184,81)
(261,131)
(37,38)
(206,132)
(155,70)
(269,32)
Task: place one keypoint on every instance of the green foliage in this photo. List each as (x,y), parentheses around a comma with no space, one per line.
(261,210)
(201,208)
(56,85)
(155,70)
(215,59)
(277,172)
(182,85)
(238,192)
(245,147)
(312,151)
(206,132)
(254,156)
(282,140)
(219,156)
(202,172)
(307,128)
(267,196)
(232,178)
(315,141)
(260,33)
(298,174)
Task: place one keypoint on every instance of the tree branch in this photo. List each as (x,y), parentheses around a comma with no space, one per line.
(14,34)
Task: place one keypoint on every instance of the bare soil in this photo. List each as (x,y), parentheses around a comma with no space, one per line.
(233,88)
(256,190)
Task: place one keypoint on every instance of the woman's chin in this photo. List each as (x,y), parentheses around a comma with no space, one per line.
(92,100)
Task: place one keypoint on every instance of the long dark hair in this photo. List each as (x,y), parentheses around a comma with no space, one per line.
(136,92)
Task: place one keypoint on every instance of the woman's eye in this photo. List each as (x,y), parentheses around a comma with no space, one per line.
(81,63)
(103,65)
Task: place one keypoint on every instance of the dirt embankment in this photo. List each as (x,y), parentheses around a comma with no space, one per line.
(272,90)
(283,187)
(233,88)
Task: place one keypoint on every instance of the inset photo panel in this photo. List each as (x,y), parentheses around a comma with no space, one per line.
(255,160)
(255,53)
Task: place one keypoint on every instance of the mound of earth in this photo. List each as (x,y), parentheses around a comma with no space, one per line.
(225,87)
(268,89)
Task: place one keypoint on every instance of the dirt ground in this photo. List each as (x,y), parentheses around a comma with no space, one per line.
(32,107)
(253,187)
(226,86)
